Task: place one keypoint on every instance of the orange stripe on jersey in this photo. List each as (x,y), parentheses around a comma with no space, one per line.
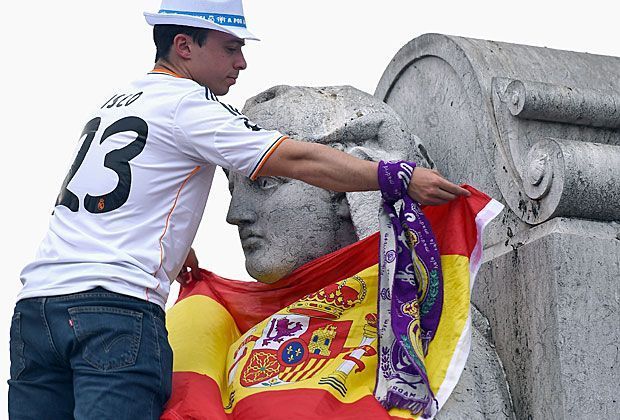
(176,199)
(160,70)
(266,156)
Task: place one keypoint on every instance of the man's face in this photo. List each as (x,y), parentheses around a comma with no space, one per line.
(218,62)
(284,224)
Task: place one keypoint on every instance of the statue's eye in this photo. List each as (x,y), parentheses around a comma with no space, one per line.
(268,182)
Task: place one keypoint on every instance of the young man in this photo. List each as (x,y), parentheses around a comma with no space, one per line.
(88,337)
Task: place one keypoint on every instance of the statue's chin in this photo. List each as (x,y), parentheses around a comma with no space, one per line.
(269,276)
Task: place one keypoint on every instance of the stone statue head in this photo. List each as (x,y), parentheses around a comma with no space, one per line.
(285,223)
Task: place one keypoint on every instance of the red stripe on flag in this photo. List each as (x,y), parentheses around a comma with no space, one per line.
(194,396)
(454,224)
(197,397)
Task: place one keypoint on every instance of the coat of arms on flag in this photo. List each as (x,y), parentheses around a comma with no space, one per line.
(302,341)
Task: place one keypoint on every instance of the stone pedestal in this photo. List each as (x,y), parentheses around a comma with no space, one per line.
(551,295)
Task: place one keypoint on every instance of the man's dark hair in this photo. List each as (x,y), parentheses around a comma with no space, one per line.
(163,35)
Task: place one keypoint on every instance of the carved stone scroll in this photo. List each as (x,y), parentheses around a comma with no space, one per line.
(574,176)
(563,104)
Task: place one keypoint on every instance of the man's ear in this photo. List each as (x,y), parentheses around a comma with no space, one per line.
(181,44)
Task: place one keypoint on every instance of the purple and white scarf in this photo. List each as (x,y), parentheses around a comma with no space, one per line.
(410,297)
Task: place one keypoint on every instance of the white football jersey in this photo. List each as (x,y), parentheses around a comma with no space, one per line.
(131,203)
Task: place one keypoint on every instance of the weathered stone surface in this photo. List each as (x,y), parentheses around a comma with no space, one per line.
(286,223)
(539,130)
(552,295)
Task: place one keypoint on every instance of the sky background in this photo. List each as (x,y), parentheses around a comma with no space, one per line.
(62,59)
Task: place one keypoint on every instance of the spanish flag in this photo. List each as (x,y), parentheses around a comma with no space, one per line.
(307,346)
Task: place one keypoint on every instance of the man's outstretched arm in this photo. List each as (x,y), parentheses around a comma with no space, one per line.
(331,169)
(328,168)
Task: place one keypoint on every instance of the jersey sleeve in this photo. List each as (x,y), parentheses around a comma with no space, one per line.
(211,131)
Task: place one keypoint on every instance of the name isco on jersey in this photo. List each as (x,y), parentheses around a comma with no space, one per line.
(123,99)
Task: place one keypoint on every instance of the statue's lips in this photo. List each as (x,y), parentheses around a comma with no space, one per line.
(250,241)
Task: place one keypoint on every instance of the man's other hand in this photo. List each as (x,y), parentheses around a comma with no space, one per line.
(189,266)
(428,187)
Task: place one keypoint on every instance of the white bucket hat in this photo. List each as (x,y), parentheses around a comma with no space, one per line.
(220,15)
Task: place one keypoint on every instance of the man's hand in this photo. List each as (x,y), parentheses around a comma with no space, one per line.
(427,186)
(189,266)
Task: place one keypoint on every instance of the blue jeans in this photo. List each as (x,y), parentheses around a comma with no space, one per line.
(89,355)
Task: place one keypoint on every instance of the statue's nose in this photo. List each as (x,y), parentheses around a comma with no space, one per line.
(241,211)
